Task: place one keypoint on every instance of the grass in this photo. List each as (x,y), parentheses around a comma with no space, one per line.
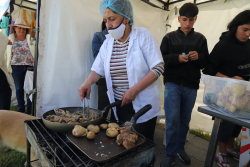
(206,136)
(13,108)
(12,158)
(200,133)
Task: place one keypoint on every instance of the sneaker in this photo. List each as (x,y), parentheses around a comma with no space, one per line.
(233,153)
(22,110)
(183,156)
(28,111)
(168,161)
(221,160)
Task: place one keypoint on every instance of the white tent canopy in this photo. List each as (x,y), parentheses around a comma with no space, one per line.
(65,54)
(67,29)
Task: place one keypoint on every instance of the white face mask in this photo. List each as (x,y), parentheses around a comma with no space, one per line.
(118,32)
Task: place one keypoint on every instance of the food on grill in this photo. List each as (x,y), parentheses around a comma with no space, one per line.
(113,125)
(104,126)
(127,144)
(79,131)
(127,139)
(62,116)
(93,128)
(111,132)
(124,129)
(90,135)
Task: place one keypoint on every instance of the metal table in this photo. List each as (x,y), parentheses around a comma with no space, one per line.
(213,141)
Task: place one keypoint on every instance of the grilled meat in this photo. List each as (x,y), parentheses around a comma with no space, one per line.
(127,144)
(127,139)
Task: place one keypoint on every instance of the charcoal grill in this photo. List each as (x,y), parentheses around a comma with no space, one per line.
(54,149)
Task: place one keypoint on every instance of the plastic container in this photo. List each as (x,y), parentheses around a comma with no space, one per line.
(229,96)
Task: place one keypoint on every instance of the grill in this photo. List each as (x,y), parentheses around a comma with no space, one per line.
(53,150)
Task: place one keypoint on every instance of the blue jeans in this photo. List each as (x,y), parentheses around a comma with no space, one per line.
(179,102)
(5,92)
(18,73)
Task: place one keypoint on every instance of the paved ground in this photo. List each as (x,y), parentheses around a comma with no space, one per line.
(195,147)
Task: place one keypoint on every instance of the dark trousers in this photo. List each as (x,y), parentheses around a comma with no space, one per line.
(5,92)
(103,99)
(228,130)
(126,112)
(18,73)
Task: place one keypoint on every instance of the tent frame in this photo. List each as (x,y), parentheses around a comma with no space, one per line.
(166,4)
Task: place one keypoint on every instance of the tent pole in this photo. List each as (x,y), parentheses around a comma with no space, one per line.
(34,97)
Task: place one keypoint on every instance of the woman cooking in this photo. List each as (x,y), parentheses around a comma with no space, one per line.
(19,58)
(131,61)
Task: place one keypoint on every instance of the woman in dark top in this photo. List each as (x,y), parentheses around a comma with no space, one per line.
(97,41)
(230,58)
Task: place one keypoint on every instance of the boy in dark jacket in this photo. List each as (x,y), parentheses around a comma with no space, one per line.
(184,52)
(230,58)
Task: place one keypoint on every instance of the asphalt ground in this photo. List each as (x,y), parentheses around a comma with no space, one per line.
(196,148)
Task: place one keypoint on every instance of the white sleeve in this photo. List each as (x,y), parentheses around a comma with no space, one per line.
(150,48)
(98,65)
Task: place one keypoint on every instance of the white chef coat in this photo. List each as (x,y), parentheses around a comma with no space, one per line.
(143,54)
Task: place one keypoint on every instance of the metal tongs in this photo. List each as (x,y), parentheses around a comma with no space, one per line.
(84,103)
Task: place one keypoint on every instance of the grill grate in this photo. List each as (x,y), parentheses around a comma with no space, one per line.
(60,152)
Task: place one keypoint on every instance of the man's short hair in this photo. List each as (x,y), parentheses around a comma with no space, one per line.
(189,10)
(240,19)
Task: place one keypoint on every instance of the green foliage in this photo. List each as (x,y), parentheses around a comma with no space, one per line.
(207,136)
(200,133)
(12,158)
(14,108)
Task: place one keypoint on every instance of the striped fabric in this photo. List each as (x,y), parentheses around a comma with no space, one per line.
(118,68)
(158,69)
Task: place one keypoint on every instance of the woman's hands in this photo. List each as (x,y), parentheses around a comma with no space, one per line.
(129,96)
(132,92)
(86,86)
(10,43)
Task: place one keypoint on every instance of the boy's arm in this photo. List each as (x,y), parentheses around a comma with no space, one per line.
(170,59)
(203,55)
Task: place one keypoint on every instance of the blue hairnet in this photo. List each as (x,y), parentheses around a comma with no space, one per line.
(122,7)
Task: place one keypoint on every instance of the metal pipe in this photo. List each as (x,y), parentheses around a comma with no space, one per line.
(151,4)
(205,2)
(33,111)
(29,1)
(175,2)
(28,153)
(25,7)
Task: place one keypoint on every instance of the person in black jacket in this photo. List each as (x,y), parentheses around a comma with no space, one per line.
(230,58)
(185,53)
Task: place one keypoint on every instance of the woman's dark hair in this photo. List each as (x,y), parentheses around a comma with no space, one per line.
(103,25)
(189,10)
(240,19)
